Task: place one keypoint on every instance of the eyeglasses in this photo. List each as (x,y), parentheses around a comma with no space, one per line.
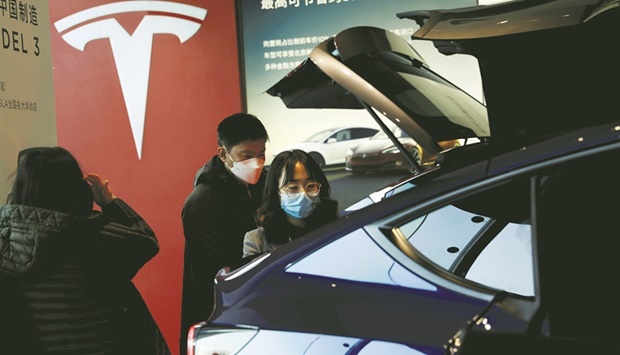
(294,189)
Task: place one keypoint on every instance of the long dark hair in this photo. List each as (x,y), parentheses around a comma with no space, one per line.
(51,178)
(273,219)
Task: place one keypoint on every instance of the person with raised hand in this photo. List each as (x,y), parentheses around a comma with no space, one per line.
(66,269)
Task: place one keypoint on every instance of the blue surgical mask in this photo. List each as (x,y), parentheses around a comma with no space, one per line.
(299,207)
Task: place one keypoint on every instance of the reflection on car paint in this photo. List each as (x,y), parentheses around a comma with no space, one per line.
(328,262)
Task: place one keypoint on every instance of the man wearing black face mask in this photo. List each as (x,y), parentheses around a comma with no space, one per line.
(219,211)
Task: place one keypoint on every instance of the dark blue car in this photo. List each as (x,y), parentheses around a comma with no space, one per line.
(505,245)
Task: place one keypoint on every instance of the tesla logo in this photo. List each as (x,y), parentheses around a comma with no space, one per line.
(132,52)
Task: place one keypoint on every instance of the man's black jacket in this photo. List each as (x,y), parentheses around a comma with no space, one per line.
(216,215)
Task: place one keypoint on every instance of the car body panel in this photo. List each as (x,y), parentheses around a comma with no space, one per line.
(255,341)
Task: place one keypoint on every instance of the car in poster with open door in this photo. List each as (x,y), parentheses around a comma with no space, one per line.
(504,245)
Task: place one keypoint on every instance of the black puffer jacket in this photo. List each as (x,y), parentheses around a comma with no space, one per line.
(66,282)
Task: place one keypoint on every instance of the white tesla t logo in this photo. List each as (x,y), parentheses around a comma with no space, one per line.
(132,52)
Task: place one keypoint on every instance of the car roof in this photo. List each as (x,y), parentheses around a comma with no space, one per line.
(539,79)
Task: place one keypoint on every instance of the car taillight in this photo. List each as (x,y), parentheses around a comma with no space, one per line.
(206,339)
(191,337)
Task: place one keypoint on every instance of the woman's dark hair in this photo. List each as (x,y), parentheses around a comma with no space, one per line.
(51,178)
(273,218)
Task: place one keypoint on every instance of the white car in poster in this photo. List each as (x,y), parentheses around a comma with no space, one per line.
(329,146)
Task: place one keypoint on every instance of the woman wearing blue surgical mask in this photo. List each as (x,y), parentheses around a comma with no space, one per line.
(296,200)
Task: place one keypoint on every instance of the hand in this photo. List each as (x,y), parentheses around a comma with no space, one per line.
(100,189)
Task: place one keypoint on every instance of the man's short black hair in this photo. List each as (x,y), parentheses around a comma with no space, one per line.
(238,128)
